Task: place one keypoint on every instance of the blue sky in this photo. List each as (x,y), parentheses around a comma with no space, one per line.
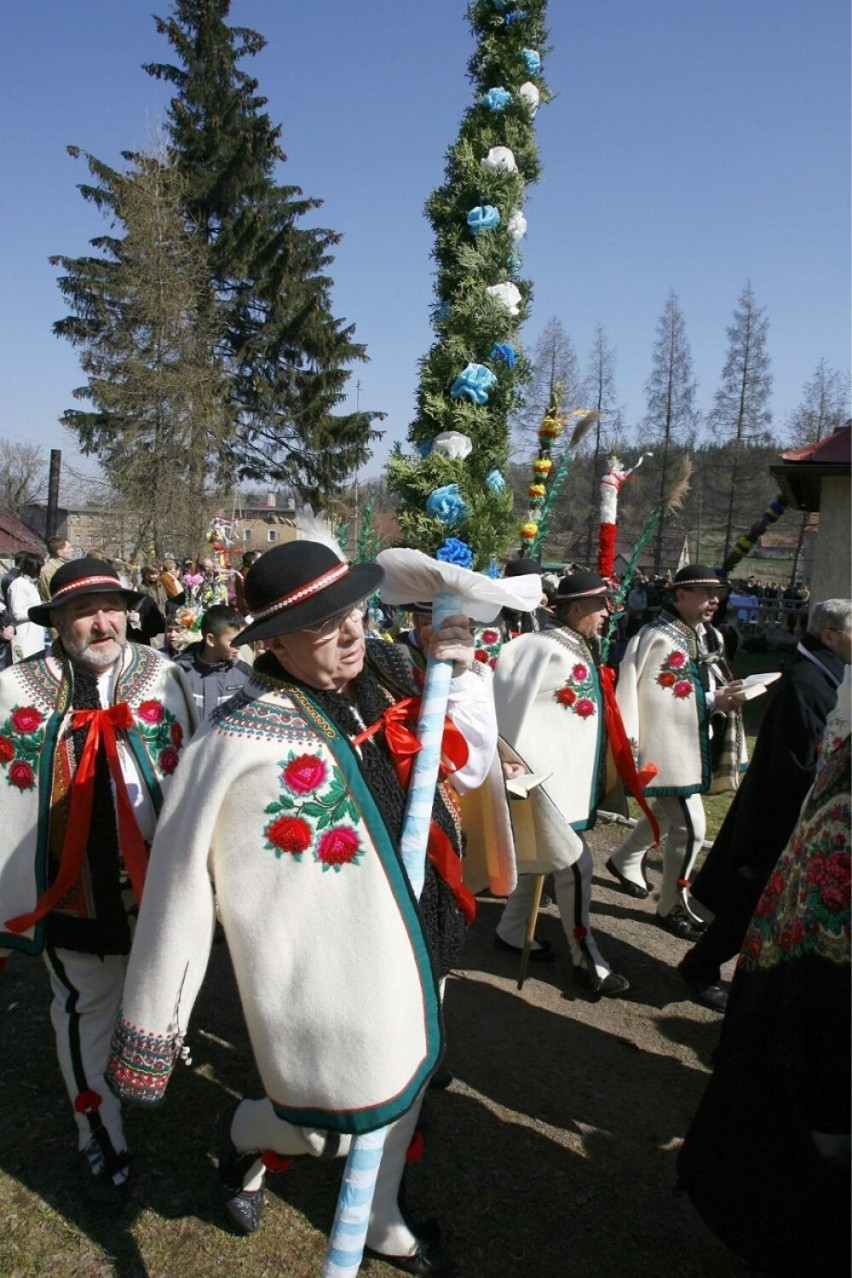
(692,144)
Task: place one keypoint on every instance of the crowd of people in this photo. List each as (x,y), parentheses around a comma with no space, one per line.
(238,743)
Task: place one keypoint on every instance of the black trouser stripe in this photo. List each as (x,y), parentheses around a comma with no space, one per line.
(73,1021)
(690,838)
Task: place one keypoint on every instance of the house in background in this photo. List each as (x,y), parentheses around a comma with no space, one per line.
(818,478)
(15,536)
(675,551)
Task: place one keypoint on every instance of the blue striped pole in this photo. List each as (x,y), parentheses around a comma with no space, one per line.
(355,1200)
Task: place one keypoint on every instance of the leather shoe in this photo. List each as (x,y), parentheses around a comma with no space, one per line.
(429,1256)
(540,952)
(714,996)
(243,1206)
(98,1185)
(680,926)
(610,986)
(631,888)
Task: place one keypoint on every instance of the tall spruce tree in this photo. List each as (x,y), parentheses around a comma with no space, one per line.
(671,418)
(553,364)
(287,356)
(741,416)
(471,378)
(823,408)
(148,342)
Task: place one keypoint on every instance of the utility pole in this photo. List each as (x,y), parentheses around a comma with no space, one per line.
(52,517)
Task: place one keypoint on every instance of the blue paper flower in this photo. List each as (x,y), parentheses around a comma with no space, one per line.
(425,448)
(483,218)
(447,504)
(502,5)
(473,383)
(504,352)
(517,16)
(496,99)
(532,61)
(513,263)
(495,481)
(493,569)
(455,552)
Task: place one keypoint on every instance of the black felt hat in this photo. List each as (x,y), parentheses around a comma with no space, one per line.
(82,577)
(302,584)
(581,585)
(522,568)
(697,575)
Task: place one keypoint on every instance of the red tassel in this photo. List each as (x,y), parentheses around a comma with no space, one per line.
(87,1102)
(275,1162)
(415,1150)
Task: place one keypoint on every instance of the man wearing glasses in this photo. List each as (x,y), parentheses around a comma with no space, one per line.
(305,778)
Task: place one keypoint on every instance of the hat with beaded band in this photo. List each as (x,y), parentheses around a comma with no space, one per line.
(82,577)
(300,585)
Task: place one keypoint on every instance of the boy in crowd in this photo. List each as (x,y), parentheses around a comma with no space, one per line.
(212,667)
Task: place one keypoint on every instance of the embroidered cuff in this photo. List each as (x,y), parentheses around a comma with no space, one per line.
(140,1064)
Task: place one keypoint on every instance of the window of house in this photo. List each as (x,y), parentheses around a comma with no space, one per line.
(271,535)
(246,534)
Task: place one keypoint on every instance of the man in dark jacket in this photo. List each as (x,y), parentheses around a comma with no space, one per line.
(766,807)
(212,667)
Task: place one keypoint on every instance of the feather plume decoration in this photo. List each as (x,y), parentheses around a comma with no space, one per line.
(313,527)
(676,495)
(584,424)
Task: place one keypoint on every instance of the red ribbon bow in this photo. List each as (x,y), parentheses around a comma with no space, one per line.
(102,726)
(403,745)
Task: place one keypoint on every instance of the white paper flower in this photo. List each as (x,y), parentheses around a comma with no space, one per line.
(530,95)
(517,225)
(507,295)
(452,444)
(500,157)
(410,576)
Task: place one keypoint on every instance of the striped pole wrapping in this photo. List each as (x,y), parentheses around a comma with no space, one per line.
(355,1200)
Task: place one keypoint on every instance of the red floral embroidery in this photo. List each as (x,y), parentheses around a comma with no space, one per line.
(492,661)
(27,719)
(584,708)
(21,775)
(682,689)
(566,696)
(289,834)
(150,711)
(169,759)
(304,773)
(176,735)
(7,750)
(580,673)
(489,636)
(676,660)
(667,679)
(481,656)
(338,846)
(671,675)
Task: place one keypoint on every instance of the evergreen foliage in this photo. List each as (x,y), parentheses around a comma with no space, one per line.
(469,323)
(286,355)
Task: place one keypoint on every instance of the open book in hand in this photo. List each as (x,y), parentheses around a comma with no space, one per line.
(756,684)
(519,787)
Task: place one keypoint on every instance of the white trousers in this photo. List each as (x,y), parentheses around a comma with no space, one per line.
(683,822)
(256,1126)
(86,997)
(574,898)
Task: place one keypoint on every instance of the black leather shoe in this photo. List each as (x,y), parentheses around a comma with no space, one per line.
(631,888)
(610,986)
(680,926)
(244,1206)
(98,1185)
(714,996)
(429,1257)
(441,1079)
(540,952)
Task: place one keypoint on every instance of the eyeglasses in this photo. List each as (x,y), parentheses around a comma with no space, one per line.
(334,624)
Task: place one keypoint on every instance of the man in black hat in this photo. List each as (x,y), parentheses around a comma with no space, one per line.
(292,804)
(90,735)
(668,689)
(551,711)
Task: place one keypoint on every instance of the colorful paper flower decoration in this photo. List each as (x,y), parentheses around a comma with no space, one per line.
(517,16)
(542,466)
(447,504)
(455,551)
(537,492)
(501,158)
(452,444)
(425,448)
(502,5)
(513,263)
(495,481)
(517,226)
(496,99)
(473,383)
(483,218)
(503,352)
(529,531)
(532,61)
(531,96)
(506,295)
